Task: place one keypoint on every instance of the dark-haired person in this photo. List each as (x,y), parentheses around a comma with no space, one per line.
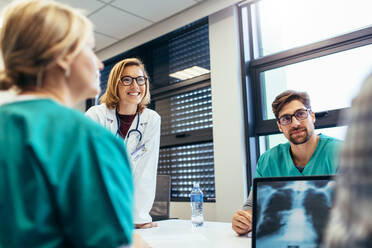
(64,180)
(350,222)
(305,154)
(124,113)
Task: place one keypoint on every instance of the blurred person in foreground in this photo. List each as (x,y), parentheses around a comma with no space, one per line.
(64,180)
(350,222)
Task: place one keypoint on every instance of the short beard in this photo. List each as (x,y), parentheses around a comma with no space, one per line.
(300,140)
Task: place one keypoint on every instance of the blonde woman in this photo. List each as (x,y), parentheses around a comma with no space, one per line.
(64,180)
(123,111)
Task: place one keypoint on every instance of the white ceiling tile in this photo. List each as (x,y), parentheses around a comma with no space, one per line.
(117,23)
(113,23)
(88,5)
(103,41)
(154,10)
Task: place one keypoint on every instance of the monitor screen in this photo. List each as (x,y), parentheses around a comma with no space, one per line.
(292,213)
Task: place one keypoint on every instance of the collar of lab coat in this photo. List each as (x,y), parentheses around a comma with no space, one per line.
(112,121)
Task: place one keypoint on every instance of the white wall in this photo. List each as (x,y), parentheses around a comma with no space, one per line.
(182,210)
(227,105)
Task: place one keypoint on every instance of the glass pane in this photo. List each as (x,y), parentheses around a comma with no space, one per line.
(332,81)
(276,139)
(286,24)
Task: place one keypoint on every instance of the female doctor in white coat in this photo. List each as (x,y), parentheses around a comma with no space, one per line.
(123,111)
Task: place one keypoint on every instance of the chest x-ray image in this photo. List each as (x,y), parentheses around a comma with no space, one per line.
(292,214)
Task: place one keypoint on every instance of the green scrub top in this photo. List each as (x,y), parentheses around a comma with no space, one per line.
(65,181)
(277,162)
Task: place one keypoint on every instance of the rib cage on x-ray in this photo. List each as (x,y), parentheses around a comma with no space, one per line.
(292,214)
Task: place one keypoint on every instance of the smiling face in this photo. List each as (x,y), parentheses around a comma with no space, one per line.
(297,132)
(131,95)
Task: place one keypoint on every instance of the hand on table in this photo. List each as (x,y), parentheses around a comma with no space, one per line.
(146,225)
(242,222)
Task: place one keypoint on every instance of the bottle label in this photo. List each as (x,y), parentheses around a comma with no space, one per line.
(196,198)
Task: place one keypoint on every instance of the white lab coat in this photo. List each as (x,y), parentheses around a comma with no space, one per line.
(144,166)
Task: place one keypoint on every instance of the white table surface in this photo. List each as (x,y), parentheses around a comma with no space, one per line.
(180,233)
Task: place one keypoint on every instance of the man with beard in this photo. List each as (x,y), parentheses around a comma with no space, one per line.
(305,154)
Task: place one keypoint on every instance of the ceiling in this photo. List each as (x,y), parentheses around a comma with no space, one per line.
(115,20)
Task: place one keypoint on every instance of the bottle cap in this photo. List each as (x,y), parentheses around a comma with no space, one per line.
(196,184)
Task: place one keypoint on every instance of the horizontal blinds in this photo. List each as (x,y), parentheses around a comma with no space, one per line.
(187,164)
(189,49)
(186,112)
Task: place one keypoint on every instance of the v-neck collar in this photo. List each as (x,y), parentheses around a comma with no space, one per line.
(307,167)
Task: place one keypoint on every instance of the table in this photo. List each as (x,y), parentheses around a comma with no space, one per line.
(181,234)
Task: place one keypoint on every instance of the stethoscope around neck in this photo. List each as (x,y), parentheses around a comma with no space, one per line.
(132,131)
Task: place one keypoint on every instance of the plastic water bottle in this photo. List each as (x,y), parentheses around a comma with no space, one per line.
(196,200)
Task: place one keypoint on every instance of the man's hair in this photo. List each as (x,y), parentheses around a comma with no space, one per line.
(288,96)
(111,96)
(34,35)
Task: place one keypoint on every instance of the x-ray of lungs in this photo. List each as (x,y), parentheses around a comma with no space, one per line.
(293,214)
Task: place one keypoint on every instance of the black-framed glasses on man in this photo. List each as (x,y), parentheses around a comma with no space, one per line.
(299,114)
(128,80)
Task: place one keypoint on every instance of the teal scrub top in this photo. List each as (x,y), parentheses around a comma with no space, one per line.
(277,162)
(65,181)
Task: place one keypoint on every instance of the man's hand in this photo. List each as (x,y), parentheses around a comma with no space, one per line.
(146,225)
(242,221)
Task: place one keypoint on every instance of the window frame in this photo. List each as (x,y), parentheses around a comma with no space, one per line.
(319,49)
(254,107)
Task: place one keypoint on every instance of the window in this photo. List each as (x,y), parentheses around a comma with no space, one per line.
(302,22)
(321,47)
(186,164)
(189,49)
(187,153)
(320,77)
(185,105)
(186,112)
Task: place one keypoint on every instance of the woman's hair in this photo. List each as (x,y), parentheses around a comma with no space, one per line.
(34,35)
(111,96)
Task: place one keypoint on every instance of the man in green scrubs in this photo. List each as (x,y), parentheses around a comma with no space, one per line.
(305,154)
(64,180)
